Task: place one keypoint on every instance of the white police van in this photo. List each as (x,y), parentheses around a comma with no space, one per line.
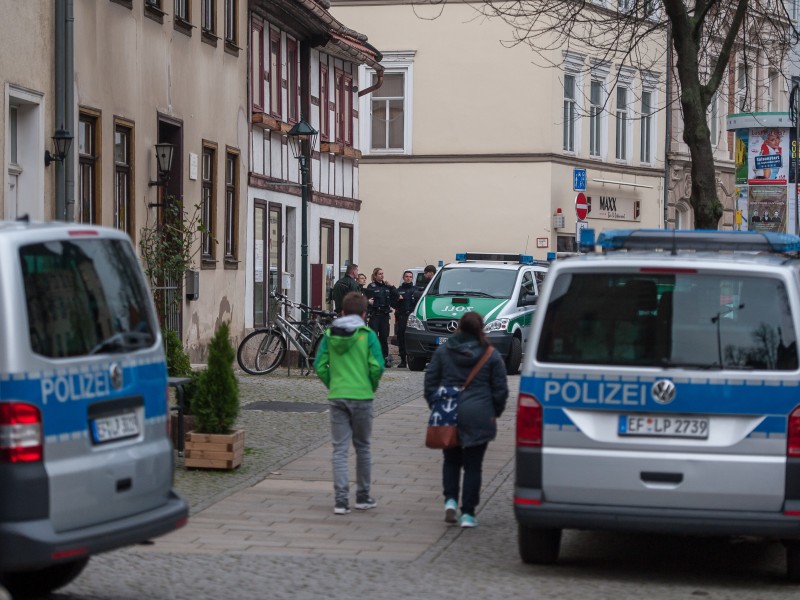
(85,460)
(661,392)
(503,288)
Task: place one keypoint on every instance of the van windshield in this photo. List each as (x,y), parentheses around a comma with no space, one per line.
(474,281)
(85,297)
(683,320)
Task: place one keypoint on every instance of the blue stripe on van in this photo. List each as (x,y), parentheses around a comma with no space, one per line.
(64,395)
(692,395)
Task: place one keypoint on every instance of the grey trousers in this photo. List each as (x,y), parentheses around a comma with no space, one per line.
(351,420)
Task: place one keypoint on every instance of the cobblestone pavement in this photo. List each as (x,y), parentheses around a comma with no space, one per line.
(286,452)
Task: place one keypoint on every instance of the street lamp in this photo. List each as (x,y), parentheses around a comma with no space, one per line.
(302,138)
(164,155)
(61,143)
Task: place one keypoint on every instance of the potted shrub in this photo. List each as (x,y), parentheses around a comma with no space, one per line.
(215,405)
(178,365)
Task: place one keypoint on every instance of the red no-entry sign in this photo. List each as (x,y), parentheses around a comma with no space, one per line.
(581,206)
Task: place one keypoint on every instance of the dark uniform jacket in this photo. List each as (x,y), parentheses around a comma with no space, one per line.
(485,398)
(406,306)
(341,288)
(383,296)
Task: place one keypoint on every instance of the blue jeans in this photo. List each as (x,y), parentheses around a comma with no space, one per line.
(471,461)
(351,420)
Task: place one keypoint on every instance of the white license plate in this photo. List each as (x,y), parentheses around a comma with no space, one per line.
(117,427)
(440,340)
(675,426)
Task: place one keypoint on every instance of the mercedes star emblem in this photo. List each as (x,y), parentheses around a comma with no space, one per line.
(452,326)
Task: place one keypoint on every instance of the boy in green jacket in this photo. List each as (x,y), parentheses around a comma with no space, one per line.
(350,364)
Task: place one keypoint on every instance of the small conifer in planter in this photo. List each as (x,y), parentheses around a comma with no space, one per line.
(216,405)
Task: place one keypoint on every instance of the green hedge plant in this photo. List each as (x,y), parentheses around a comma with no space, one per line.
(179,365)
(216,401)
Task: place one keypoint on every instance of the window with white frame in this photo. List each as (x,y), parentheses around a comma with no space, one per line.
(570,112)
(182,9)
(622,123)
(646,127)
(387,115)
(772,91)
(388,129)
(595,116)
(742,96)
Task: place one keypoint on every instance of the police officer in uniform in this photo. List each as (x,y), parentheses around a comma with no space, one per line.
(381,297)
(407,300)
(348,283)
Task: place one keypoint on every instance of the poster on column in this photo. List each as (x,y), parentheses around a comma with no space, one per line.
(767,207)
(741,207)
(740,155)
(769,149)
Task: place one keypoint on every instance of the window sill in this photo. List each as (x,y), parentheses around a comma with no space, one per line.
(125,3)
(267,121)
(231,264)
(231,48)
(209,38)
(154,13)
(340,149)
(183,26)
(207,263)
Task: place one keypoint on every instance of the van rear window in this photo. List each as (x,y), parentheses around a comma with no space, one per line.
(85,297)
(693,320)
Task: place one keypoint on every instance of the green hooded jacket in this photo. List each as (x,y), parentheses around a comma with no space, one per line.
(349,360)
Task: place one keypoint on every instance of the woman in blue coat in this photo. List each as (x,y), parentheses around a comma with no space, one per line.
(478,408)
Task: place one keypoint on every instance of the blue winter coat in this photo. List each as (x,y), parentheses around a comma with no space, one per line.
(485,398)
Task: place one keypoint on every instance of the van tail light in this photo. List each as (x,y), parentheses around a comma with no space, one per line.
(793,433)
(529,421)
(20,433)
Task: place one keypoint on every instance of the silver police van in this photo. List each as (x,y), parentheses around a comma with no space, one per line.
(661,392)
(85,460)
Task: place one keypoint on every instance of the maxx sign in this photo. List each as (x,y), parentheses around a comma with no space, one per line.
(614,208)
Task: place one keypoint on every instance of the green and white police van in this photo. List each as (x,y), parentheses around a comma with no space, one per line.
(85,459)
(503,288)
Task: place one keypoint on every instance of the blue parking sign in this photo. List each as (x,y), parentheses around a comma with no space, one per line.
(579,180)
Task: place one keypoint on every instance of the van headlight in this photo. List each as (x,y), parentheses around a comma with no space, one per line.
(414,323)
(496,325)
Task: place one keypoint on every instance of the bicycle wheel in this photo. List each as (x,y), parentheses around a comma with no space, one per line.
(261,351)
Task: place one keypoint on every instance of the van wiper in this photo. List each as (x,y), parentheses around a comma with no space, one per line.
(471,293)
(122,341)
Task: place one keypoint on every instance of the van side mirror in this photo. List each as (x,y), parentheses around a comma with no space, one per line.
(528,300)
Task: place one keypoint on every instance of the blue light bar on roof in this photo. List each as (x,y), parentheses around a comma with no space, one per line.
(524,259)
(698,239)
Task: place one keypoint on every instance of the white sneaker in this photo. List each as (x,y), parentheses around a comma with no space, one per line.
(468,521)
(450,509)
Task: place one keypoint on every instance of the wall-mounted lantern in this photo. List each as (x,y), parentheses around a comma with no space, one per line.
(62,140)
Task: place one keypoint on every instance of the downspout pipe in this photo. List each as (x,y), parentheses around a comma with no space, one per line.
(372,88)
(60,61)
(69,108)
(668,125)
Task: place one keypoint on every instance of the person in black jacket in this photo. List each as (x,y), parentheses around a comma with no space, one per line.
(478,408)
(347,283)
(381,297)
(406,301)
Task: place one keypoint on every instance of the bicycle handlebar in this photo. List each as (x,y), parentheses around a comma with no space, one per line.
(283,299)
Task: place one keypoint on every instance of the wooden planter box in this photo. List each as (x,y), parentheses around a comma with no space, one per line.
(214,451)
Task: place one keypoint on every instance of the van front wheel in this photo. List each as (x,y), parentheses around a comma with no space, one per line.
(514,357)
(793,560)
(416,363)
(41,582)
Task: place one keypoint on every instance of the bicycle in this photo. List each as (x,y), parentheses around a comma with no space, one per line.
(263,350)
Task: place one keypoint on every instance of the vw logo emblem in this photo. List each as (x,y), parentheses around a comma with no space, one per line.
(452,326)
(663,391)
(115,371)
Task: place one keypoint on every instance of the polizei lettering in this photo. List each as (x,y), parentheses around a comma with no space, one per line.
(75,386)
(605,392)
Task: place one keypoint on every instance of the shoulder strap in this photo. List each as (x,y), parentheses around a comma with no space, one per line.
(478,365)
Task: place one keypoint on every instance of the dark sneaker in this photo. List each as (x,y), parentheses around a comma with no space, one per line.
(387,362)
(341,508)
(402,365)
(450,509)
(365,503)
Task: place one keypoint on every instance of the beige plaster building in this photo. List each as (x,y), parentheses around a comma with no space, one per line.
(469,145)
(27,117)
